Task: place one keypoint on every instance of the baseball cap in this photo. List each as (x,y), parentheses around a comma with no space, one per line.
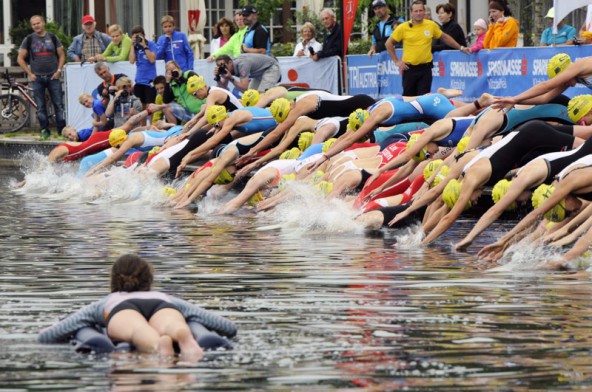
(378,3)
(87,19)
(248,10)
(551,13)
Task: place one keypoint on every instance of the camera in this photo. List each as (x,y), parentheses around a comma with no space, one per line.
(222,70)
(311,50)
(175,74)
(106,91)
(139,39)
(124,94)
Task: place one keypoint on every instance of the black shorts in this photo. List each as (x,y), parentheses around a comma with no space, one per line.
(146,93)
(146,307)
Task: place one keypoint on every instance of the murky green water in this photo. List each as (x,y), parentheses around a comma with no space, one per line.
(317,308)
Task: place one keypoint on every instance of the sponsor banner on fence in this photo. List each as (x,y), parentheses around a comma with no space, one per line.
(501,72)
(302,72)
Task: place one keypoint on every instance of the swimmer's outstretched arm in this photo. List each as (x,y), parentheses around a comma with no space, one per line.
(62,331)
(576,227)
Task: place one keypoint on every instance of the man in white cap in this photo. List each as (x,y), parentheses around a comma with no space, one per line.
(87,45)
(565,33)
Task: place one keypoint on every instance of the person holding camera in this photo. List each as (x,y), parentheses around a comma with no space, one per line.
(309,45)
(181,104)
(143,54)
(107,86)
(124,104)
(503,28)
(248,71)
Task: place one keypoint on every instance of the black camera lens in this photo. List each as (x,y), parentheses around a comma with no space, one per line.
(175,74)
(139,39)
(124,93)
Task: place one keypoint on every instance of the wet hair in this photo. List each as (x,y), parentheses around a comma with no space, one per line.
(131,273)
(447,7)
(137,29)
(500,5)
(225,21)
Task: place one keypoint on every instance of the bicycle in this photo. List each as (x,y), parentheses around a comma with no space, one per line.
(15,108)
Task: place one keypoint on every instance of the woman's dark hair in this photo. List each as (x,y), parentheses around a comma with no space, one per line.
(500,5)
(131,273)
(447,7)
(225,20)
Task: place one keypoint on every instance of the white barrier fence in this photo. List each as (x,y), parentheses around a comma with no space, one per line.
(81,78)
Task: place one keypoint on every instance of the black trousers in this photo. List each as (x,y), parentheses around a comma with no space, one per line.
(417,80)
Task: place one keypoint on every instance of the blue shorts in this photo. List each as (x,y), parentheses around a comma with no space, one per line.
(180,112)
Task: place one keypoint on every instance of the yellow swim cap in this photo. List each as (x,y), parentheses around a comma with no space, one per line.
(558,64)
(578,107)
(542,193)
(452,193)
(325,186)
(431,167)
(168,191)
(224,177)
(280,108)
(194,83)
(116,137)
(285,179)
(215,114)
(421,155)
(155,150)
(305,140)
(357,118)
(462,144)
(317,176)
(255,199)
(250,97)
(328,143)
(442,173)
(292,153)
(499,190)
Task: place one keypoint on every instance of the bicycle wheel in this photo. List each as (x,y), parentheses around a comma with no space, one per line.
(14,113)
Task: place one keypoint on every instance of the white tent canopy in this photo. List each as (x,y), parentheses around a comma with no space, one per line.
(564,7)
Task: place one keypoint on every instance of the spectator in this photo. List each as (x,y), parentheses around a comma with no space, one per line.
(332,37)
(503,28)
(173,45)
(384,27)
(255,71)
(234,46)
(124,104)
(309,45)
(181,105)
(480,29)
(143,53)
(98,108)
(446,13)
(225,29)
(107,86)
(41,56)
(72,135)
(86,46)
(257,37)
(428,13)
(566,34)
(159,86)
(416,64)
(119,48)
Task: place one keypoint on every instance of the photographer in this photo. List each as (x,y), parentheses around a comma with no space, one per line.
(143,54)
(107,86)
(254,71)
(124,104)
(181,104)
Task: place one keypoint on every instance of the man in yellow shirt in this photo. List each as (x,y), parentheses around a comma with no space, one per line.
(416,64)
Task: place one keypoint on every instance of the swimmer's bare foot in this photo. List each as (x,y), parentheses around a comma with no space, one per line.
(485,100)
(450,92)
(189,347)
(165,346)
(20,184)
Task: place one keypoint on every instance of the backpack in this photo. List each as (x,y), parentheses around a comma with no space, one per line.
(29,39)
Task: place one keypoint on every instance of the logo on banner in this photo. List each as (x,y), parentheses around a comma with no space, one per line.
(441,66)
(505,67)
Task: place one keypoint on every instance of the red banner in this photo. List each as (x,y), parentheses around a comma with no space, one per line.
(193,16)
(350,7)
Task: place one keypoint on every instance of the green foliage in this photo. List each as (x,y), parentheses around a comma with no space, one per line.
(283,50)
(265,8)
(361,46)
(23,28)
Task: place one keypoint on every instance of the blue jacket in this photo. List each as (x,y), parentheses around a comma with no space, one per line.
(75,49)
(177,48)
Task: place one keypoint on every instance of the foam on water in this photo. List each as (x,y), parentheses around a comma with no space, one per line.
(527,257)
